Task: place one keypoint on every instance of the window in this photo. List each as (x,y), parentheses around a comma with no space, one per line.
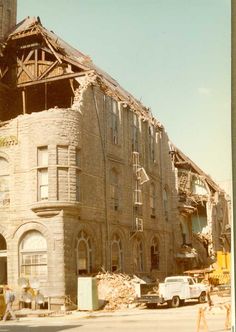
(135,132)
(116,254)
(33,256)
(114,121)
(84,253)
(151,143)
(62,173)
(138,256)
(42,173)
(114,190)
(4,182)
(155,255)
(152,199)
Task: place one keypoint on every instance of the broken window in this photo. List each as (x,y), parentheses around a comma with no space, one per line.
(33,256)
(42,173)
(199,187)
(4,182)
(199,219)
(155,254)
(116,254)
(84,253)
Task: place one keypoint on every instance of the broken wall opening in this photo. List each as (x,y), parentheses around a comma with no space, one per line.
(199,218)
(35,98)
(49,95)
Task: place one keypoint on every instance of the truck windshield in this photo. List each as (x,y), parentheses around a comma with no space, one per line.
(174,280)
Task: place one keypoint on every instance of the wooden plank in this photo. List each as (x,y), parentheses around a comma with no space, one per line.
(53,79)
(36,62)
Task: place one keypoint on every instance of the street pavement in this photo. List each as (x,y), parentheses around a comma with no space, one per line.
(163,319)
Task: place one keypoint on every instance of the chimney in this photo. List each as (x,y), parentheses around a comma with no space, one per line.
(8,10)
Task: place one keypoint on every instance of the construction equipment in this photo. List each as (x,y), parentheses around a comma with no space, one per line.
(221,273)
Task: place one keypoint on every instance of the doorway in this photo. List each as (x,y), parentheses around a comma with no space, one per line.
(3,261)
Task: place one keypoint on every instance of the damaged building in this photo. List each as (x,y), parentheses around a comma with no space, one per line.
(88,177)
(203,212)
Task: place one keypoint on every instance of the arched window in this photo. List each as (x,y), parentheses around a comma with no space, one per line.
(84,253)
(114,189)
(33,256)
(152,199)
(116,254)
(155,254)
(4,182)
(138,256)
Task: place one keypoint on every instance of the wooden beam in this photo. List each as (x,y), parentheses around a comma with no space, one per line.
(3,72)
(53,51)
(23,62)
(56,78)
(36,62)
(23,101)
(24,68)
(67,59)
(48,70)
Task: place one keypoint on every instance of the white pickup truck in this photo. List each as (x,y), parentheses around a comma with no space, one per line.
(174,291)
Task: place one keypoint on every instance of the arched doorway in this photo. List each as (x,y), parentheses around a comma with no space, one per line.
(3,261)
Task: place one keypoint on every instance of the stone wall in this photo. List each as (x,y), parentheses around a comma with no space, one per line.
(7,16)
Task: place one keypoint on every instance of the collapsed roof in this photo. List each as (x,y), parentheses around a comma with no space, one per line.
(28,37)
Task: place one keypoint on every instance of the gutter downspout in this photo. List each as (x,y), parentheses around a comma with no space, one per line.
(103,144)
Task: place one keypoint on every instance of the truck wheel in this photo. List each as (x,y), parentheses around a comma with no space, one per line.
(174,303)
(202,297)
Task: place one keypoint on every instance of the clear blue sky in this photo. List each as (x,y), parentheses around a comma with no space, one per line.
(174,55)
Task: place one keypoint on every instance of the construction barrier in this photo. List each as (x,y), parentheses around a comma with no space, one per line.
(202,319)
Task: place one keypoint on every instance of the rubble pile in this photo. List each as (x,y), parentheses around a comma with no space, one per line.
(116,290)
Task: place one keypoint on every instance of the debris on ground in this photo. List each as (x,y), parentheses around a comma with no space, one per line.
(117,290)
